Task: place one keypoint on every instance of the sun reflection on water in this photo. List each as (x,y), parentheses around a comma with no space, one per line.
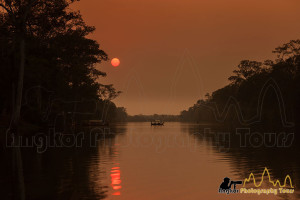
(115,174)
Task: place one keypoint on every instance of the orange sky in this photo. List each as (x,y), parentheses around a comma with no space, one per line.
(174,51)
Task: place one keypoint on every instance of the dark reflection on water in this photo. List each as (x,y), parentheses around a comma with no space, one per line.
(137,161)
(245,154)
(63,172)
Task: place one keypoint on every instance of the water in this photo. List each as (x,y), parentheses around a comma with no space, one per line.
(137,161)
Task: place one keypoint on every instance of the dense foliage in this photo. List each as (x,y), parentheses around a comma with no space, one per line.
(259,93)
(148,118)
(60,72)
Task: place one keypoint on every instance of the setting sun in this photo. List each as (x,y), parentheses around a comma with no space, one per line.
(204,106)
(115,62)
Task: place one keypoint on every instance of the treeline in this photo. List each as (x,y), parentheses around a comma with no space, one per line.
(148,118)
(49,66)
(265,93)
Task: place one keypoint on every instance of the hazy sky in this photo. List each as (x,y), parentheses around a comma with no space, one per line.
(172,52)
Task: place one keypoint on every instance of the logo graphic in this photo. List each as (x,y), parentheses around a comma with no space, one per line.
(259,187)
(225,187)
(277,182)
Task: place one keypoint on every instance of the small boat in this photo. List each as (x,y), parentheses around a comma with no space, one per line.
(157,123)
(95,123)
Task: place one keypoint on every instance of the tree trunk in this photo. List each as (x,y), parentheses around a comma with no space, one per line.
(16,120)
(19,91)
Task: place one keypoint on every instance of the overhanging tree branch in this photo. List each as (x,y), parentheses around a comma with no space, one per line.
(5,8)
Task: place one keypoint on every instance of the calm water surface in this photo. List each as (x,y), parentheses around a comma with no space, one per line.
(136,161)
